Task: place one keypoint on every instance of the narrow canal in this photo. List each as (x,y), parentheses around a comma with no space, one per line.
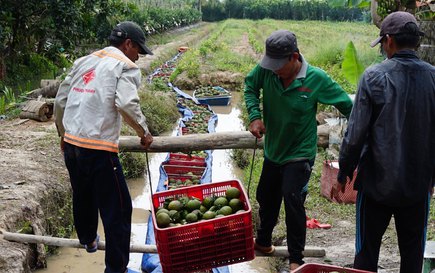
(71,260)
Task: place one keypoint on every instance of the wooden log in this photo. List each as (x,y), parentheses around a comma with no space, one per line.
(63,242)
(36,110)
(211,141)
(48,91)
(48,82)
(280,251)
(193,142)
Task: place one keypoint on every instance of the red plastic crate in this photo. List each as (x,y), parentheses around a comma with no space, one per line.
(183,170)
(206,244)
(186,160)
(181,156)
(329,175)
(323,268)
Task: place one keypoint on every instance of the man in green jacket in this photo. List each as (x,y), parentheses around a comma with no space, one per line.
(291,90)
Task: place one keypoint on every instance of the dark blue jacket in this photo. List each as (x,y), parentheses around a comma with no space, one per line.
(391,131)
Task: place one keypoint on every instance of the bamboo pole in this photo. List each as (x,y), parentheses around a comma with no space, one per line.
(280,251)
(193,142)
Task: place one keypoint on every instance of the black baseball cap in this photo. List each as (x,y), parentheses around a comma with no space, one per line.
(394,23)
(279,46)
(131,30)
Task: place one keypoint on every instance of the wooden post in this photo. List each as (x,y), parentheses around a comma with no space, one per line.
(280,251)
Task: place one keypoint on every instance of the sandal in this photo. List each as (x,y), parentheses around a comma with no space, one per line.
(91,248)
(313,223)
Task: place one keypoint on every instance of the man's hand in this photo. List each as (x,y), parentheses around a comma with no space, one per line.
(257,128)
(337,187)
(146,140)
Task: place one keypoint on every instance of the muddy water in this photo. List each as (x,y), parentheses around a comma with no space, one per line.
(70,260)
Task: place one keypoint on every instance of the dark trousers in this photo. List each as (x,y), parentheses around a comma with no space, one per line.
(372,219)
(277,182)
(98,185)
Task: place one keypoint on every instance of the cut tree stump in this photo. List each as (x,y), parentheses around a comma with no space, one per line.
(37,110)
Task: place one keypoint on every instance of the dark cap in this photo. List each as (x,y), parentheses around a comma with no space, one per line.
(279,46)
(394,23)
(131,30)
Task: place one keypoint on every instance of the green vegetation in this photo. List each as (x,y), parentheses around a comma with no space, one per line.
(38,39)
(215,10)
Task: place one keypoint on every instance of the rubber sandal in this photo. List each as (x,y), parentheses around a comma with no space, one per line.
(93,249)
(313,223)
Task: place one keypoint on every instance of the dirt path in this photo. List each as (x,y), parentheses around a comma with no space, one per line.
(33,188)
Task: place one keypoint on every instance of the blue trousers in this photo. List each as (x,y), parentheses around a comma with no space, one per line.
(99,186)
(288,182)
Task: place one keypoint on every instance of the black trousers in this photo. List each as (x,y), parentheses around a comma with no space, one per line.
(98,185)
(288,182)
(372,219)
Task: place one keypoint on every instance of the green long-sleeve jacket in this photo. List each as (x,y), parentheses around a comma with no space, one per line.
(290,114)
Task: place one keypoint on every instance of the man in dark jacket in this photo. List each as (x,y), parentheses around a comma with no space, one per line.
(391,138)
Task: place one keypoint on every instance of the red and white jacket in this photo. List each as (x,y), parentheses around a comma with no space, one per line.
(100,88)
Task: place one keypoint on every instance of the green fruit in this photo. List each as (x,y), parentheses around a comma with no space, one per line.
(183,214)
(193,204)
(209,215)
(167,201)
(226,210)
(184,200)
(232,192)
(198,213)
(174,215)
(202,209)
(236,204)
(220,202)
(191,218)
(208,201)
(214,208)
(175,205)
(162,210)
(163,220)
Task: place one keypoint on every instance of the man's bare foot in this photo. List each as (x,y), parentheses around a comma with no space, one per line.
(294,266)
